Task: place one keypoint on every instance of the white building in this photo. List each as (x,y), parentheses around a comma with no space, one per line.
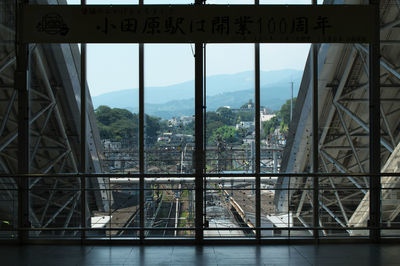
(266,117)
(184,120)
(245,125)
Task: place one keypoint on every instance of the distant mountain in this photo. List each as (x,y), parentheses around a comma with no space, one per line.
(222,90)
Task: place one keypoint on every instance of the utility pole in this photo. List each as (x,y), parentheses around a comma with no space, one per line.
(291,102)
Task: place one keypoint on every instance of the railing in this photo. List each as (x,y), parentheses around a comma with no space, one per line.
(286,206)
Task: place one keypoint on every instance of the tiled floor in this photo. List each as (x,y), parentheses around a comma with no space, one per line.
(345,254)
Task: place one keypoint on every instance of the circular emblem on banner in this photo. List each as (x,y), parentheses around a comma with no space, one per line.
(53,24)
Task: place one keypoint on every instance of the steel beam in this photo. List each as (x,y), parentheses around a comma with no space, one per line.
(303,196)
(60,210)
(339,90)
(383,62)
(8,111)
(49,201)
(339,201)
(50,95)
(349,140)
(38,93)
(390,24)
(354,89)
(51,163)
(305,224)
(365,63)
(71,212)
(44,125)
(342,169)
(386,123)
(364,125)
(360,100)
(332,214)
(7,62)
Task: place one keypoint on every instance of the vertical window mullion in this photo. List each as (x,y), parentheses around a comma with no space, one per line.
(141,138)
(374,137)
(83,132)
(257,126)
(22,86)
(315,139)
(257,137)
(199,141)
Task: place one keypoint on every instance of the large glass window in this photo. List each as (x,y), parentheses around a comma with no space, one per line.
(304,170)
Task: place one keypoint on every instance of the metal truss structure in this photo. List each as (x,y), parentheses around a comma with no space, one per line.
(343,134)
(55,133)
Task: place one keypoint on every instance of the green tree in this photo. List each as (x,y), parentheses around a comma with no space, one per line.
(104,115)
(211,128)
(284,114)
(225,134)
(120,124)
(281,120)
(226,116)
(152,128)
(269,126)
(246,105)
(244,116)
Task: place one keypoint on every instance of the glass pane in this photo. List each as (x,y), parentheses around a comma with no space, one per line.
(343,94)
(167,2)
(287,2)
(169,108)
(73,2)
(54,139)
(390,137)
(55,203)
(282,213)
(113,78)
(109,2)
(286,206)
(8,118)
(230,108)
(229,205)
(344,108)
(119,218)
(9,207)
(343,205)
(282,121)
(230,2)
(169,207)
(285,141)
(390,197)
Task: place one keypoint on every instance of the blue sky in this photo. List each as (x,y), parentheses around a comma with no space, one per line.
(113,67)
